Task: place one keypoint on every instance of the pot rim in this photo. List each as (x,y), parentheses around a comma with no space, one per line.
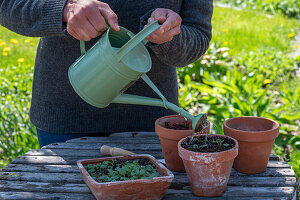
(221,156)
(252,136)
(167,174)
(172,134)
(252,117)
(175,117)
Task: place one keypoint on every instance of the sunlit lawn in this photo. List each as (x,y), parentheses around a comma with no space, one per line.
(249,30)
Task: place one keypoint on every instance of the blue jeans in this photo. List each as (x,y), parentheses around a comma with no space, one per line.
(46,138)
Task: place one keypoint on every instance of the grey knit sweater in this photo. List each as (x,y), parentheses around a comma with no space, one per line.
(56,108)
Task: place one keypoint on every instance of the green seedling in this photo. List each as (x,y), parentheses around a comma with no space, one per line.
(121,170)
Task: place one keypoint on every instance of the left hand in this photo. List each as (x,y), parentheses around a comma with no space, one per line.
(170,25)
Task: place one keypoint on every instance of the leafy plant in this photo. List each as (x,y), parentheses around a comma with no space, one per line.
(120,170)
(262,83)
(291,8)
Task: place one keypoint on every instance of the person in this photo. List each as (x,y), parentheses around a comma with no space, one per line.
(56,110)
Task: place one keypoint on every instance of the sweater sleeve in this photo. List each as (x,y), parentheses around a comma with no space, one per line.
(38,18)
(194,37)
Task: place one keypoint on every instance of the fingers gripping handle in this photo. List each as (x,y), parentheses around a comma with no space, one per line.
(140,37)
(82,43)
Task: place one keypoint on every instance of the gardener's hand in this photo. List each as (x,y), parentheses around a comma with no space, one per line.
(170,25)
(86,18)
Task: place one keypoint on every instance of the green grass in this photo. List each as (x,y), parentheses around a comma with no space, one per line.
(250,30)
(17,135)
(22,49)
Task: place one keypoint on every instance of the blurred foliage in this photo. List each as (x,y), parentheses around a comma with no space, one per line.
(17,134)
(290,8)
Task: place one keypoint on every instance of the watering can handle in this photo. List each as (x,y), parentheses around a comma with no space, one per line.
(82,44)
(135,40)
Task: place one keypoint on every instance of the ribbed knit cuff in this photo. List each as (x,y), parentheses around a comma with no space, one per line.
(52,17)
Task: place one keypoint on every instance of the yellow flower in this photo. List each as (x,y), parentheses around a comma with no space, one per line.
(4,54)
(27,41)
(296,46)
(225,43)
(2,43)
(225,30)
(180,90)
(212,21)
(31,43)
(14,41)
(291,35)
(20,60)
(6,49)
(267,81)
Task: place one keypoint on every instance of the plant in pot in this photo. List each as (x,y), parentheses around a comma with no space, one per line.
(208,160)
(256,136)
(126,177)
(170,130)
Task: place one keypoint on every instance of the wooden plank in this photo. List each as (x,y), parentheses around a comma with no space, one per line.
(66,160)
(274,157)
(237,191)
(107,140)
(60,187)
(277,164)
(130,147)
(134,134)
(42,177)
(44,196)
(41,168)
(186,194)
(260,191)
(57,187)
(270,172)
(181,181)
(55,160)
(80,153)
(74,196)
(71,174)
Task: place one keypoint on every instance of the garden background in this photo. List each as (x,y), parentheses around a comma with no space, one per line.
(251,68)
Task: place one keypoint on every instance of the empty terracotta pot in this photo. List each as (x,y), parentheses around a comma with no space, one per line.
(153,189)
(256,136)
(169,138)
(208,173)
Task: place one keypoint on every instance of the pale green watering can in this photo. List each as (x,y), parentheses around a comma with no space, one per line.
(113,64)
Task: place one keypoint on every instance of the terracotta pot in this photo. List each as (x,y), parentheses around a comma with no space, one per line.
(128,190)
(208,173)
(256,136)
(169,139)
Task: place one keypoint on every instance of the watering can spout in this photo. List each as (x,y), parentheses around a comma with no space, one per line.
(197,121)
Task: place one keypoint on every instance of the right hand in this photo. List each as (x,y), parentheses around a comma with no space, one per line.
(86,18)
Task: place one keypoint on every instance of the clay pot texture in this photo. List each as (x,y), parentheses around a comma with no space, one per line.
(128,190)
(208,173)
(256,136)
(169,139)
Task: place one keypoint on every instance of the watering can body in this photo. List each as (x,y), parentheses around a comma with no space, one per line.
(113,64)
(109,67)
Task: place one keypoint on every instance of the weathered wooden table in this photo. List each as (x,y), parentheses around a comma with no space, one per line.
(51,172)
